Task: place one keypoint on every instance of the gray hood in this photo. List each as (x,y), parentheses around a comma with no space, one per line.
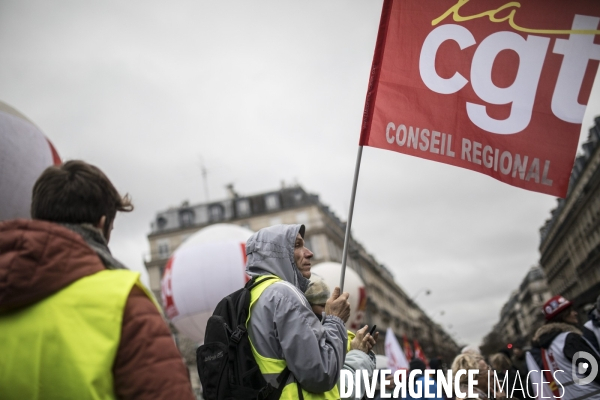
(271,251)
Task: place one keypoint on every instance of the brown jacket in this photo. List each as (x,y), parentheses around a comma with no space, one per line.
(39,258)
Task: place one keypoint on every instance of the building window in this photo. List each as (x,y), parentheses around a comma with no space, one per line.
(272,202)
(161,222)
(216,213)
(186,217)
(298,196)
(163,248)
(392,300)
(243,208)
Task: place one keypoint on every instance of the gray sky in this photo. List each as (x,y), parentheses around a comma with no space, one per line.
(262,91)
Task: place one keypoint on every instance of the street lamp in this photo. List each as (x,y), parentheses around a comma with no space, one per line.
(427,293)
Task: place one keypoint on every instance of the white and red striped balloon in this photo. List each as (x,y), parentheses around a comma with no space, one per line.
(24,154)
(208,266)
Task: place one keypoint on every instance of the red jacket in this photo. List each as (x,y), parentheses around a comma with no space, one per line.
(39,258)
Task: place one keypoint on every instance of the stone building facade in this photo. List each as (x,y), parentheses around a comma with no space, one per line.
(570,239)
(569,253)
(522,314)
(388,305)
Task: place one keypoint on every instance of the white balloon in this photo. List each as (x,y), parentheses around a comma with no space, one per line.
(24,154)
(208,266)
(353,284)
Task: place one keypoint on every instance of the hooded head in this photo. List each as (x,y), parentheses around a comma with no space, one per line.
(271,251)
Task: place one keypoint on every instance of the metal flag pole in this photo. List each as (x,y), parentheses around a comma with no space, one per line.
(349,222)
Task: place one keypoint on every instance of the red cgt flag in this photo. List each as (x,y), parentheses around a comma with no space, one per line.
(493,86)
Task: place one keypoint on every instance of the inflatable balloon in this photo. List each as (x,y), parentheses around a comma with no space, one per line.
(353,284)
(24,154)
(208,266)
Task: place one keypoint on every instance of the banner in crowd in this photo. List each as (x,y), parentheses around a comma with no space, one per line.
(419,353)
(544,391)
(493,86)
(393,352)
(407,349)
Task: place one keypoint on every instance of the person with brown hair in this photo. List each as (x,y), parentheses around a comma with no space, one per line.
(77,193)
(74,322)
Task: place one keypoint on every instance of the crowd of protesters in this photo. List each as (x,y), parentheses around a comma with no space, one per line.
(77,324)
(561,361)
(558,362)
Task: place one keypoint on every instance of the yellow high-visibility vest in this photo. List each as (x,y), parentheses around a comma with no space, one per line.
(275,366)
(64,346)
(351,336)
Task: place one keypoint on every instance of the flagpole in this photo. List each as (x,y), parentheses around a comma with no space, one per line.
(349,221)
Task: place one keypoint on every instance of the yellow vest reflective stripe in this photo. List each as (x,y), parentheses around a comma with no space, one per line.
(64,346)
(275,366)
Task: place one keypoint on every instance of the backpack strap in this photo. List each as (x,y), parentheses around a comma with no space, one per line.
(256,280)
(241,330)
(271,393)
(245,308)
(300,395)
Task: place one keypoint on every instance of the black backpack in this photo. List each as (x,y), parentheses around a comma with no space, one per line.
(226,365)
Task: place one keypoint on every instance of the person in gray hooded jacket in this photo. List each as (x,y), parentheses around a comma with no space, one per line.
(282,325)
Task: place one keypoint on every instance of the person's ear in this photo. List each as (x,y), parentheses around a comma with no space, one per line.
(104,227)
(101,223)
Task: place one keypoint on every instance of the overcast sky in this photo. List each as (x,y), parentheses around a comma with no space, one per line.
(262,92)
